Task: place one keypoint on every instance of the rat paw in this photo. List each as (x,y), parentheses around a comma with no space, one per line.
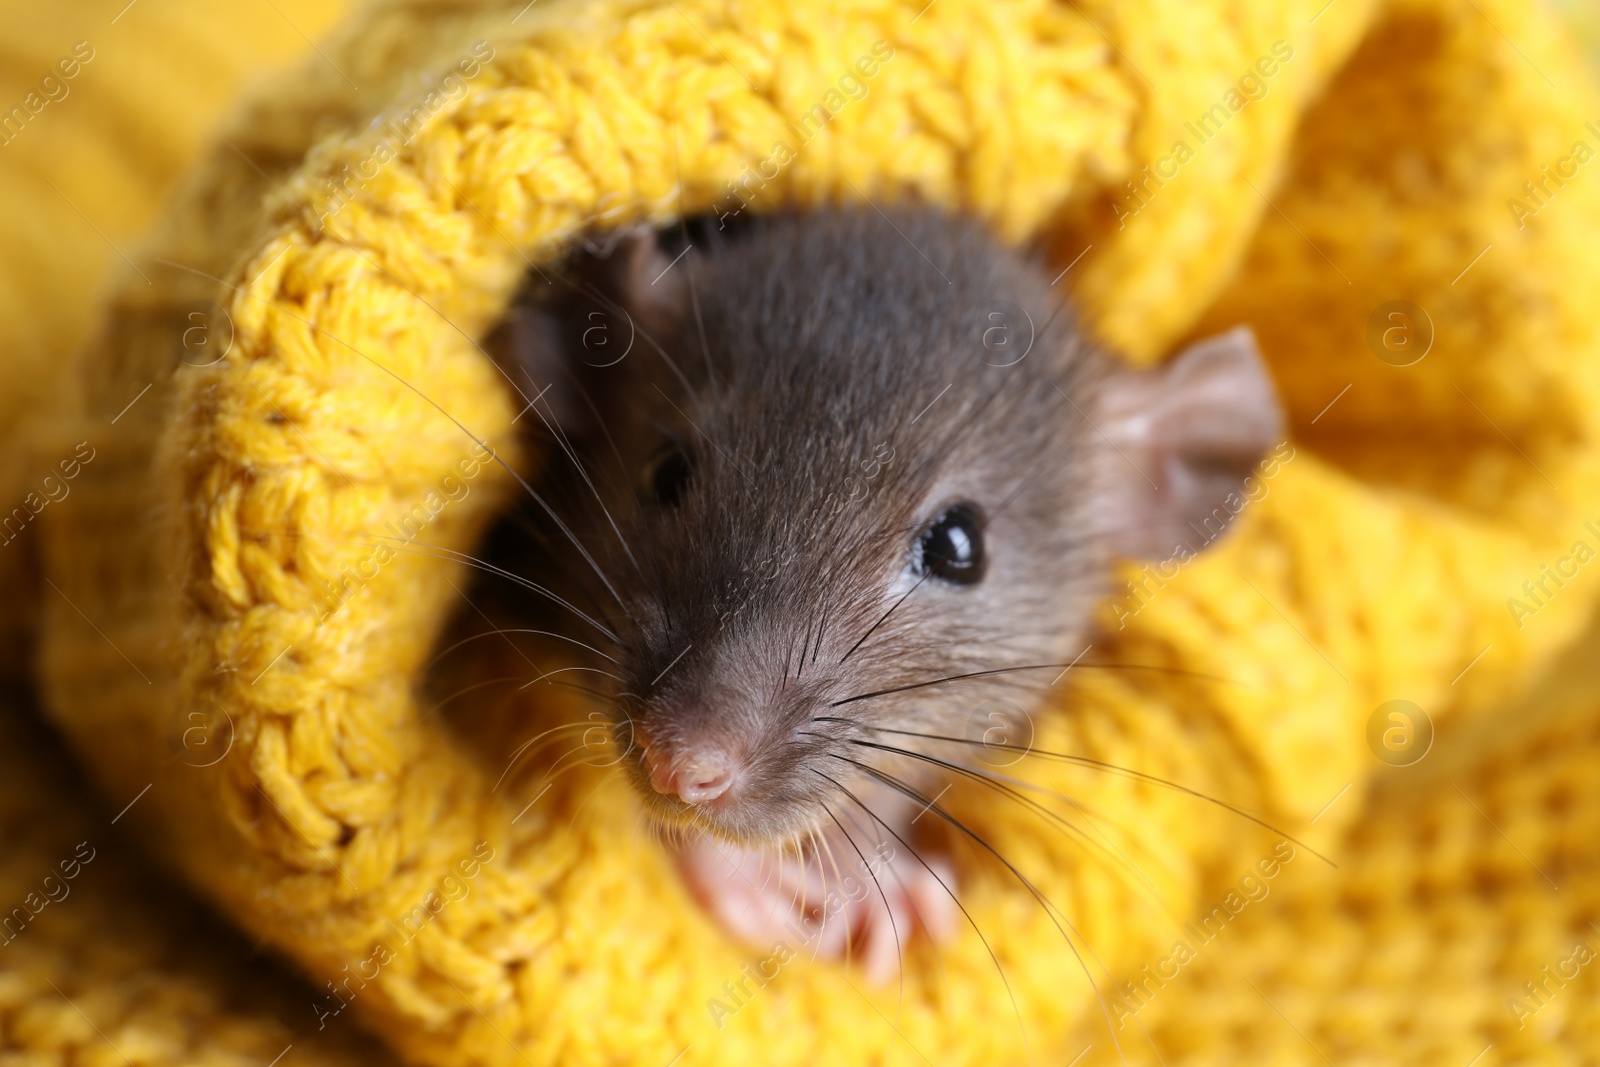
(865,908)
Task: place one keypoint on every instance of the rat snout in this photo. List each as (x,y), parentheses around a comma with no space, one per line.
(695,777)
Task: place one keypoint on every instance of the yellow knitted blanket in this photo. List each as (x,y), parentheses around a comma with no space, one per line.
(1394,195)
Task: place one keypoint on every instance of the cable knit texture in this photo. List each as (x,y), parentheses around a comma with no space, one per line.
(365,219)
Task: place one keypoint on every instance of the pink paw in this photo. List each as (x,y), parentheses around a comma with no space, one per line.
(832,907)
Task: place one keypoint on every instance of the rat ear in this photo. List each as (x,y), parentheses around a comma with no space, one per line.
(1187,436)
(532,347)
(567,340)
(639,276)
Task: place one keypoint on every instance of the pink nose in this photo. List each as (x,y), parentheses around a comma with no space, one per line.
(694,778)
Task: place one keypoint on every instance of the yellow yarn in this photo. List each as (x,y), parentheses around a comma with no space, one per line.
(1376,167)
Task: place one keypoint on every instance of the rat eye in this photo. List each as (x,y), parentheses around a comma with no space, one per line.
(666,475)
(951,548)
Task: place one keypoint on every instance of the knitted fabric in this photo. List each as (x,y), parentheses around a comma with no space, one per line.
(370,217)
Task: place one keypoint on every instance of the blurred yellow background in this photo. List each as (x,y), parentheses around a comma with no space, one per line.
(163,73)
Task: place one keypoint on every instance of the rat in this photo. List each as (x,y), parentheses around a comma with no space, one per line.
(819,490)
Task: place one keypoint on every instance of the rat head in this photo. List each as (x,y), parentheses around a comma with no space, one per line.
(832,481)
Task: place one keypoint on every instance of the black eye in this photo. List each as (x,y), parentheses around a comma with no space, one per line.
(667,475)
(951,548)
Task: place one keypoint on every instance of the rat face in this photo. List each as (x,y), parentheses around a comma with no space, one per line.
(853,478)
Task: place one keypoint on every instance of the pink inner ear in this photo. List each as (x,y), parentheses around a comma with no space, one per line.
(1186,436)
(651,285)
